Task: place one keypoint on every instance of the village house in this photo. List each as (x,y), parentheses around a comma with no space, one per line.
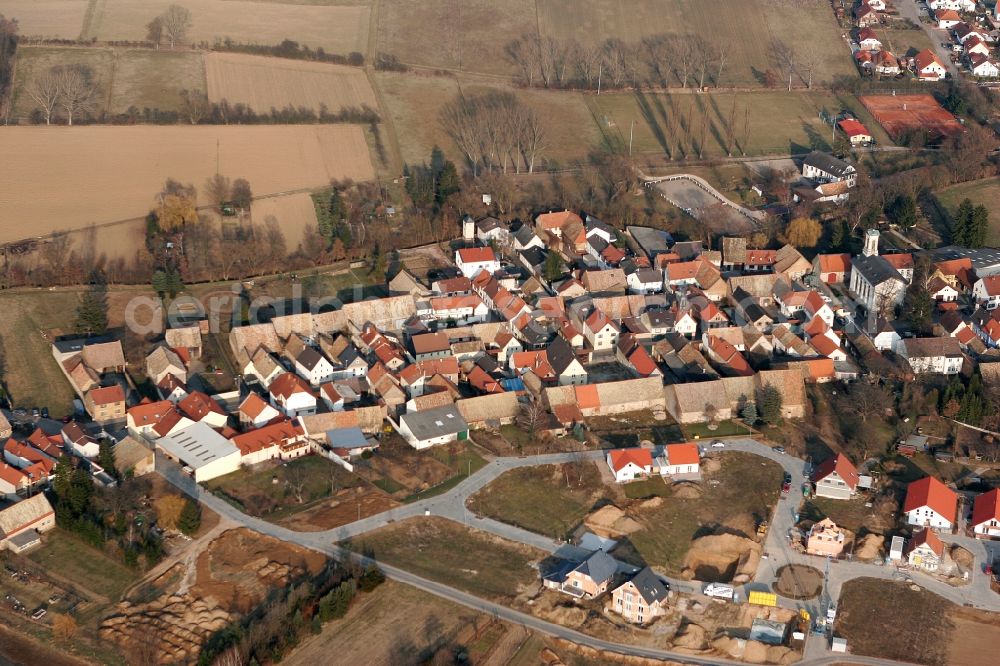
(600,331)
(185,339)
(825,168)
(199,407)
(836,478)
(925,551)
(941,356)
(255,412)
(292,395)
(865,15)
(590,578)
(105,404)
(985,520)
(826,539)
(868,40)
(640,599)
(630,464)
(134,458)
(947,19)
(928,66)
(79,441)
(930,503)
(431,427)
(986,291)
(282,440)
(680,459)
(471,260)
(857,134)
(564,363)
(162,362)
(23,523)
(982,67)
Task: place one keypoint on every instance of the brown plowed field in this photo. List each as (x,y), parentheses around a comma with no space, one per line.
(59,19)
(262,83)
(70,177)
(336,29)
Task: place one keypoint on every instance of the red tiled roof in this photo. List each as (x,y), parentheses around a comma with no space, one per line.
(932,493)
(107,395)
(641,361)
(834,263)
(853,128)
(475,255)
(150,412)
(986,507)
(556,220)
(928,537)
(587,396)
(824,345)
(899,261)
(842,466)
(12,475)
(252,406)
(683,454)
(622,457)
(274,434)
(926,58)
(198,405)
(288,384)
(991,284)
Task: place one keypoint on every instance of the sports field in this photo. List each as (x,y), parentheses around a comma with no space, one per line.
(336,29)
(68,178)
(779,122)
(984,192)
(264,83)
(51,19)
(415,104)
(900,114)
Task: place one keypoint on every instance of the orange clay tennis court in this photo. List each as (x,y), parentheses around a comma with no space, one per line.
(901,114)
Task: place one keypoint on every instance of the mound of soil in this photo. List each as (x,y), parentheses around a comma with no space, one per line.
(869,547)
(709,465)
(234,574)
(691,637)
(797,581)
(687,490)
(719,558)
(610,522)
(962,557)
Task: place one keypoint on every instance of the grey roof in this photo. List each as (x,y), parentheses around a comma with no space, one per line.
(309,358)
(985,260)
(931,347)
(651,241)
(648,275)
(535,256)
(560,355)
(488,224)
(688,249)
(197,445)
(69,345)
(597,242)
(828,164)
(436,422)
(346,438)
(660,318)
(599,567)
(876,270)
(592,223)
(649,585)
(25,539)
(524,234)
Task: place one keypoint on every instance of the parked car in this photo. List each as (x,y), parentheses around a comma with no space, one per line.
(778,449)
(45,412)
(788,478)
(718,444)
(718,590)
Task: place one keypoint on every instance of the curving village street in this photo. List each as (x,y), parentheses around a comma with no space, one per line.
(452,505)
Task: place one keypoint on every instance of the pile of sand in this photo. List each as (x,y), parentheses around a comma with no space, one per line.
(687,490)
(869,547)
(962,557)
(611,522)
(721,558)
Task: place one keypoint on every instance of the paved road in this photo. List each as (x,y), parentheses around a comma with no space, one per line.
(452,505)
(908,9)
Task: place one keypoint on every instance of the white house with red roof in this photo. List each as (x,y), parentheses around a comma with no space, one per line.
(982,67)
(928,66)
(836,478)
(292,395)
(22,523)
(630,464)
(925,551)
(947,18)
(930,503)
(832,268)
(681,459)
(868,40)
(986,291)
(471,260)
(600,331)
(255,412)
(986,515)
(856,133)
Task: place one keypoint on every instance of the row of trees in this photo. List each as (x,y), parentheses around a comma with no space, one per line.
(8,49)
(69,89)
(171,26)
(657,61)
(495,132)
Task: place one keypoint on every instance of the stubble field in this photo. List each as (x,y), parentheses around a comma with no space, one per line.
(264,83)
(336,29)
(33,61)
(68,178)
(294,212)
(50,19)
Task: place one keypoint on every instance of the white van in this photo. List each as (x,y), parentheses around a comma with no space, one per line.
(718,590)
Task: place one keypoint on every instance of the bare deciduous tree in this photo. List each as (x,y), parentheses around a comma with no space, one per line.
(196,105)
(494,131)
(784,59)
(217,189)
(44,90)
(77,93)
(176,21)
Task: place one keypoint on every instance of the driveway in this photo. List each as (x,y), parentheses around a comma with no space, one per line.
(908,9)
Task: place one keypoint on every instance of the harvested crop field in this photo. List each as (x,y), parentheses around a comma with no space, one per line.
(901,114)
(154,79)
(51,19)
(88,164)
(336,29)
(343,508)
(294,212)
(265,83)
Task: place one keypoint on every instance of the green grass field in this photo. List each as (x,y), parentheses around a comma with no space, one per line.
(75,561)
(904,42)
(471,560)
(748,486)
(671,124)
(985,192)
(550,500)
